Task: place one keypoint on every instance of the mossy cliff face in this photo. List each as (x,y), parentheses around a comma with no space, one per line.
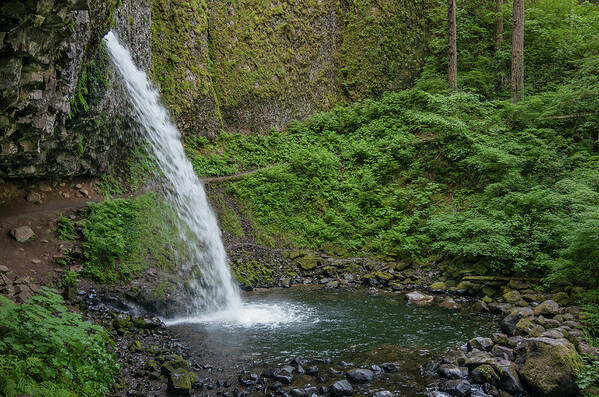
(57,87)
(253,65)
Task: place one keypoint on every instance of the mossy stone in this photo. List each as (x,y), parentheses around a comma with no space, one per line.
(551,366)
(180,381)
(308,262)
(438,286)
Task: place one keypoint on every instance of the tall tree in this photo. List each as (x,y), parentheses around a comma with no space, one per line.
(452,72)
(518,51)
(499,25)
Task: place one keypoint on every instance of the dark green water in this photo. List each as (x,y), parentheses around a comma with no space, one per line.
(338,324)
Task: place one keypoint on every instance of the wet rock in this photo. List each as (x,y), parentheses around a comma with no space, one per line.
(267,373)
(547,308)
(313,370)
(389,367)
(503,352)
(287,370)
(512,297)
(452,371)
(456,387)
(480,343)
(180,381)
(508,376)
(173,362)
(135,346)
(298,393)
(508,324)
(449,303)
(438,287)
(480,307)
(297,361)
(485,374)
(383,393)
(285,379)
(360,375)
(550,367)
(3,269)
(478,357)
(418,298)
(22,234)
(341,388)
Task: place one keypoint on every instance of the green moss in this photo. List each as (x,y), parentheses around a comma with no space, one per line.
(180,59)
(252,273)
(231,223)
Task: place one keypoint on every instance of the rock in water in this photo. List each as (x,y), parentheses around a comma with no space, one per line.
(22,234)
(360,375)
(419,298)
(551,366)
(383,393)
(341,388)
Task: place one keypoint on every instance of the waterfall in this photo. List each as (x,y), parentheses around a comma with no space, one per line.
(199,229)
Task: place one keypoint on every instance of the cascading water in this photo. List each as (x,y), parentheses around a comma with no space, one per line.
(217,296)
(200,231)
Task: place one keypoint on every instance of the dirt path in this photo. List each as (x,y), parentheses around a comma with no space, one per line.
(232,178)
(36,258)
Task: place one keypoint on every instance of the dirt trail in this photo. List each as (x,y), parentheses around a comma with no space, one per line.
(36,258)
(231,178)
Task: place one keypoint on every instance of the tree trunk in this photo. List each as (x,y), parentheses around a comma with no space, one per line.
(452,72)
(499,25)
(518,51)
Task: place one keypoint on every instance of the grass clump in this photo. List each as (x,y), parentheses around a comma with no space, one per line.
(46,350)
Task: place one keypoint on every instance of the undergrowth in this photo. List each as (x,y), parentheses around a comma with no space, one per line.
(46,350)
(123,237)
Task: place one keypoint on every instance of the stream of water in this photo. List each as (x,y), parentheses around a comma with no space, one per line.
(215,289)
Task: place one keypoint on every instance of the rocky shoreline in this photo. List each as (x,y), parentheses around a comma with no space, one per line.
(537,353)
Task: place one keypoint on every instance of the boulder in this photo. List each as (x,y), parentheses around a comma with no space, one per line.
(512,297)
(419,298)
(550,367)
(451,371)
(383,393)
(172,363)
(456,387)
(341,388)
(179,382)
(485,374)
(547,308)
(449,303)
(22,234)
(360,375)
(480,343)
(439,286)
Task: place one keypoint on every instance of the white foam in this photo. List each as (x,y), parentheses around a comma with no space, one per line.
(250,315)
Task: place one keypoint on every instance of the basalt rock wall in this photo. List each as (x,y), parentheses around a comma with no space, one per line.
(62,108)
(243,65)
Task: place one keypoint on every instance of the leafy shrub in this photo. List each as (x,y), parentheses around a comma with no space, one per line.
(46,350)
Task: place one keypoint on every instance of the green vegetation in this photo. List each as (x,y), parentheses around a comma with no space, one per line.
(123,237)
(46,350)
(469,177)
(65,229)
